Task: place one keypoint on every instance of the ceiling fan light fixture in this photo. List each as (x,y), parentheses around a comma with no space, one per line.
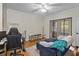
(46,6)
(43,10)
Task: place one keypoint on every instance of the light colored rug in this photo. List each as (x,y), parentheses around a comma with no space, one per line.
(32,51)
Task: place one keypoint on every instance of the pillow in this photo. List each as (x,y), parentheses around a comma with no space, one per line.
(51,40)
(60,45)
(46,44)
(68,39)
(60,37)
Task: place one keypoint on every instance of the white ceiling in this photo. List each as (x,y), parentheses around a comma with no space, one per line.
(34,7)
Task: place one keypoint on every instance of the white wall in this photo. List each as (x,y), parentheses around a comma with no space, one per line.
(25,21)
(74,13)
(4,16)
(0,16)
(33,24)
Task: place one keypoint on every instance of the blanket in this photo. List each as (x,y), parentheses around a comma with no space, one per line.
(60,45)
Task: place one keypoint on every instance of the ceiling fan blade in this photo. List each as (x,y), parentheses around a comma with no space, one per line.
(35,10)
(39,4)
(54,4)
(62,4)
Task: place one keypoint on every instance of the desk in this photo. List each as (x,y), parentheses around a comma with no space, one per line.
(3,45)
(3,41)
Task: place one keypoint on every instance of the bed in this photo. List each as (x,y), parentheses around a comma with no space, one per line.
(47,51)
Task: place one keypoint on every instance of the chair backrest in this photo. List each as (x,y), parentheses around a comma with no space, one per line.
(13,41)
(13,31)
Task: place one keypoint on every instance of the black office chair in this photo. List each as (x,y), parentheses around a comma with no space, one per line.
(14,43)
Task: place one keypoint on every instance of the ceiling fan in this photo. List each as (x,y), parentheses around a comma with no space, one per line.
(43,7)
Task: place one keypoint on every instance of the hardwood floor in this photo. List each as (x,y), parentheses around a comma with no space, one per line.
(33,42)
(27,44)
(21,53)
(30,44)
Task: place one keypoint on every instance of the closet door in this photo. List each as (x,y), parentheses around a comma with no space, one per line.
(68,26)
(60,26)
(51,28)
(55,28)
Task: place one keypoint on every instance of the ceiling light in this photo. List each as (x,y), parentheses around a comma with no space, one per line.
(47,7)
(43,10)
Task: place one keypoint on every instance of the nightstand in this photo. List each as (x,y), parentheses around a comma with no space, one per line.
(75,50)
